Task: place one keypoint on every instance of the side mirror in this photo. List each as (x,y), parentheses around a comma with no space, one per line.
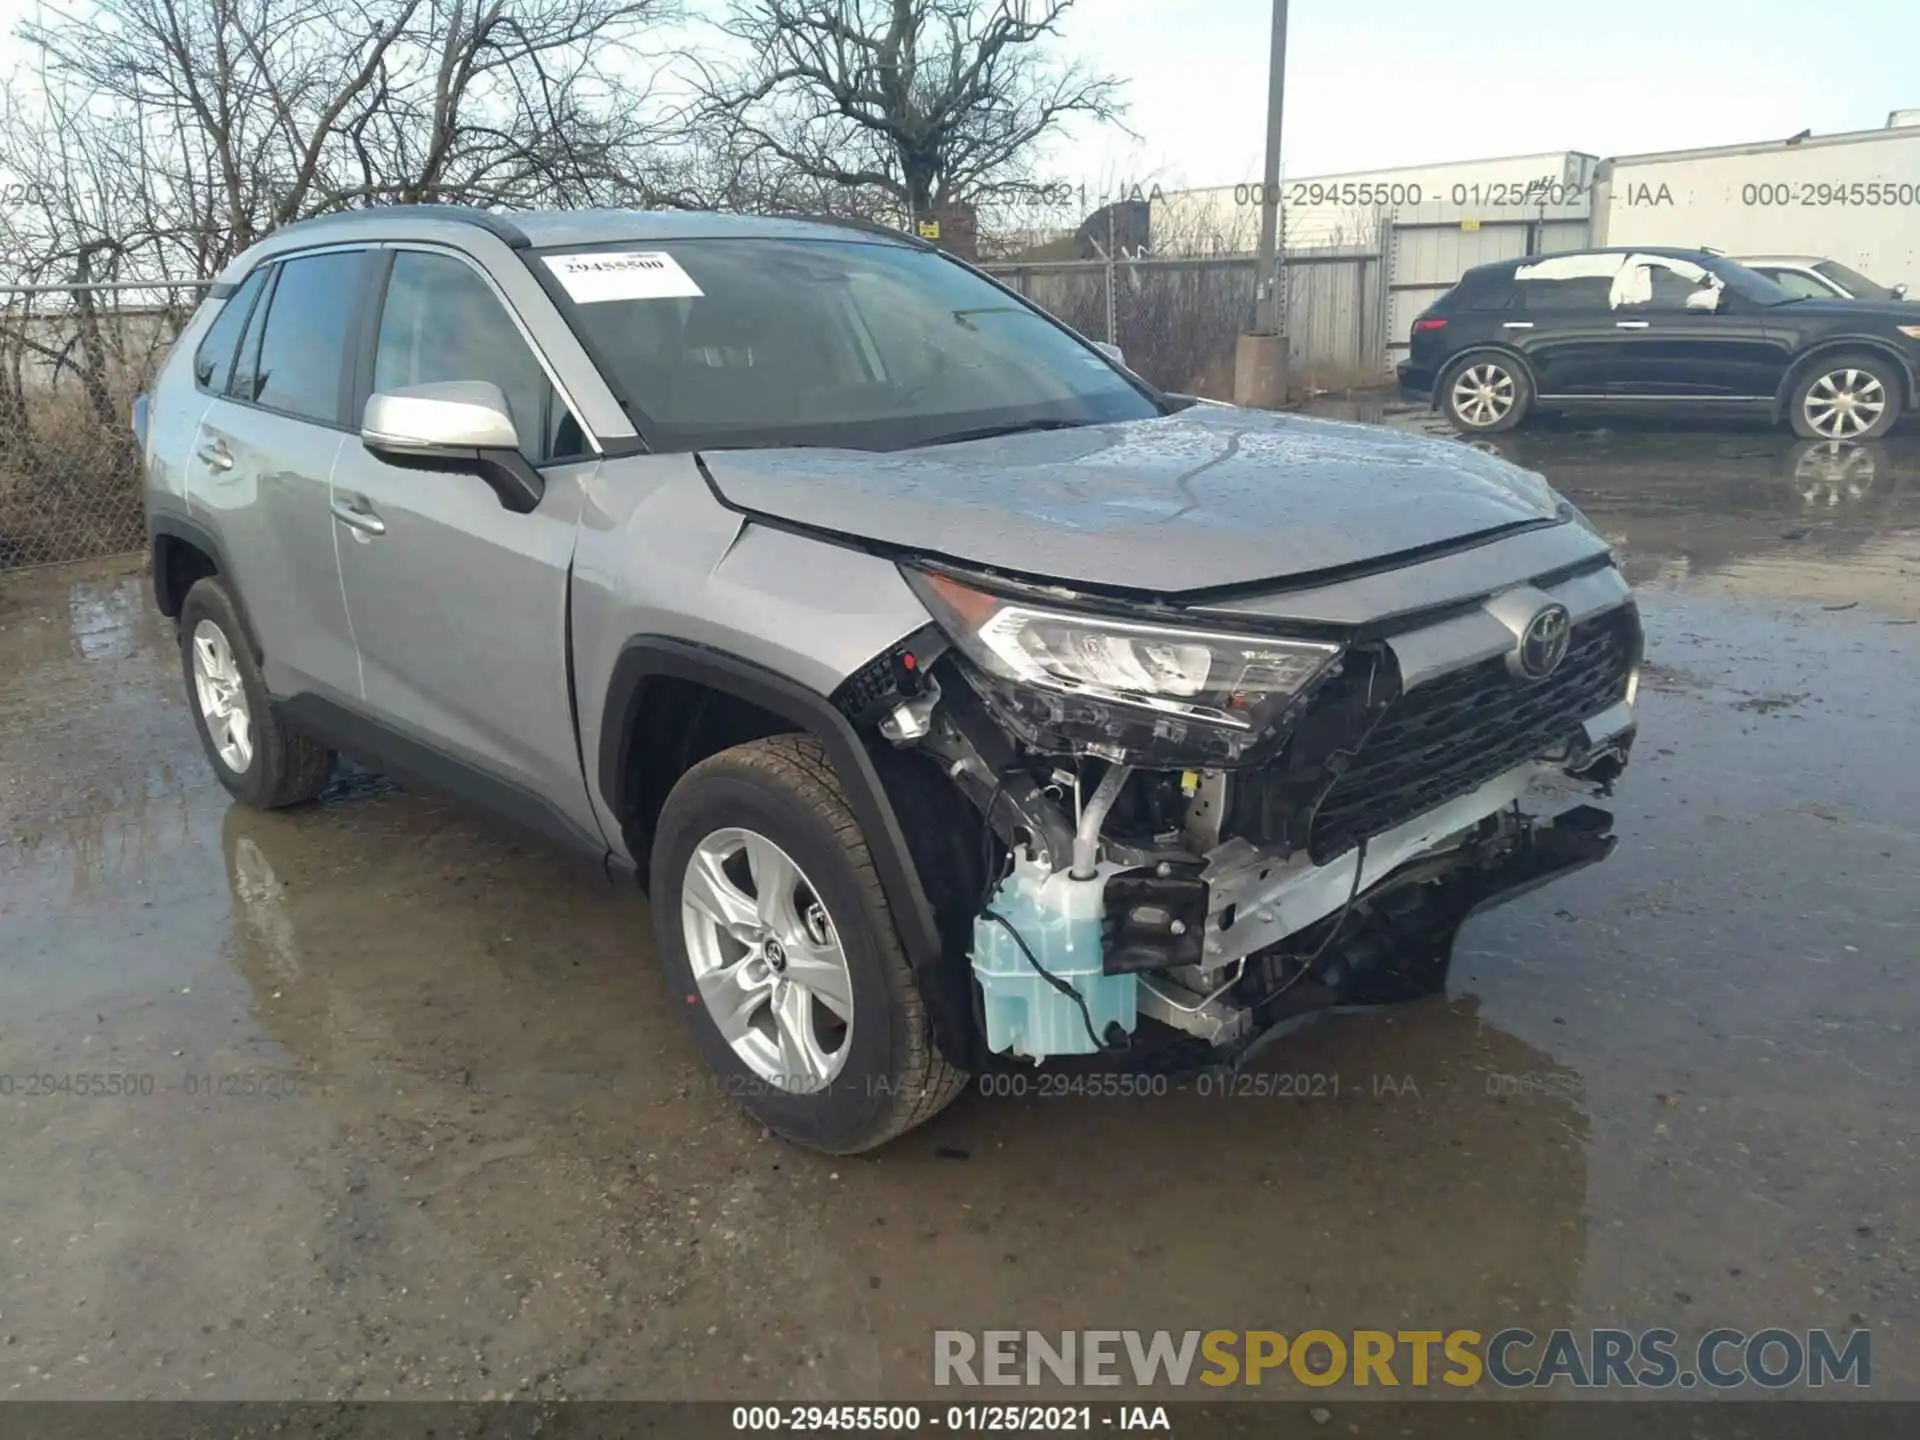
(1900,291)
(458,425)
(1707,297)
(1111,351)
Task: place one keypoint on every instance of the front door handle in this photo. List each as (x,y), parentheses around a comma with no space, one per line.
(215,455)
(359,516)
(1630,324)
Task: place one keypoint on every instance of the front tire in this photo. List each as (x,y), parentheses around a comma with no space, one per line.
(1847,397)
(1485,393)
(261,763)
(778,943)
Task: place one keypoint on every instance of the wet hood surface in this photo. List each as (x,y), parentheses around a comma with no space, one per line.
(1202,498)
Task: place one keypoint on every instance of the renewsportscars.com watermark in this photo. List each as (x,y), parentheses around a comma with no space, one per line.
(1512,1359)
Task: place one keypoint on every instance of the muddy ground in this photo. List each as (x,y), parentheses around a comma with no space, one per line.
(414,1117)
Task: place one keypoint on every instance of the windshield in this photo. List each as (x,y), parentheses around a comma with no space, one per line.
(1854,283)
(760,342)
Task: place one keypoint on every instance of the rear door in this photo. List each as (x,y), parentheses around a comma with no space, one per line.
(1561,320)
(459,605)
(1668,351)
(262,461)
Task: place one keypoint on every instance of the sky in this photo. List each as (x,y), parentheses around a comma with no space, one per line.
(1380,83)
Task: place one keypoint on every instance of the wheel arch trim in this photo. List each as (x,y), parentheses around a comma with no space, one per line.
(650,656)
(167,526)
(1841,345)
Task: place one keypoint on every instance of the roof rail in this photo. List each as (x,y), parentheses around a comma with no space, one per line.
(871,227)
(499,226)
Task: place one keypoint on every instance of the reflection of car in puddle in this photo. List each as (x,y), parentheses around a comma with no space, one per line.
(1828,473)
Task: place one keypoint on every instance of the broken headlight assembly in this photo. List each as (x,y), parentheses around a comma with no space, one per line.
(1162,695)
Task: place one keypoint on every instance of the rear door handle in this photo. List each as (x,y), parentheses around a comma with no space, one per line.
(215,455)
(1630,324)
(364,520)
(1516,325)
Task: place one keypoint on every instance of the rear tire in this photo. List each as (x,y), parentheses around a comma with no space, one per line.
(1485,393)
(1847,397)
(820,928)
(261,763)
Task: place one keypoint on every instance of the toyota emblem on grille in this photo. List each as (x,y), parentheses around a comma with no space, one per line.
(1543,644)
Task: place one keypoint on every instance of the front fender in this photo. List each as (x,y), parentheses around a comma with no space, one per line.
(943,986)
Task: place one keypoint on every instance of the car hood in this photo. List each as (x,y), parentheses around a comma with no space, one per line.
(1210,496)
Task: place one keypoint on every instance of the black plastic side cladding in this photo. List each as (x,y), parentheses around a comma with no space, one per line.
(943,985)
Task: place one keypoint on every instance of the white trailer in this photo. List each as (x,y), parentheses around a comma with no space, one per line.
(1852,197)
(1320,212)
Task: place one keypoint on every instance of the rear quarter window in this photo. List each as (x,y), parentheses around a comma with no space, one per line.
(213,361)
(1494,292)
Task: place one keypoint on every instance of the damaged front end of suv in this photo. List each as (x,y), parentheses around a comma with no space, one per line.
(1220,817)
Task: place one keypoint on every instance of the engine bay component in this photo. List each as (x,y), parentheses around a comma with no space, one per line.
(1037,954)
(1219,832)
(1156,917)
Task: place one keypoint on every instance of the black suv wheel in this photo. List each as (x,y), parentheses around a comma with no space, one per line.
(1847,397)
(1485,393)
(779,945)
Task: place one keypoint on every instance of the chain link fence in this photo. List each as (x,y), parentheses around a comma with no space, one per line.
(1178,319)
(71,361)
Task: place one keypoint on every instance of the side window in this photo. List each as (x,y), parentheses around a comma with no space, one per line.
(302,346)
(442,321)
(245,383)
(1495,292)
(213,361)
(1578,283)
(1572,292)
(1650,282)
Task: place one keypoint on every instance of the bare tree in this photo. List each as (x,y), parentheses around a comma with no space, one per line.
(919,103)
(175,133)
(153,140)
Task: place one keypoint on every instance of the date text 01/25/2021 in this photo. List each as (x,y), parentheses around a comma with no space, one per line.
(953,1419)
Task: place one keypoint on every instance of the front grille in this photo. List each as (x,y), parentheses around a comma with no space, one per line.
(1448,737)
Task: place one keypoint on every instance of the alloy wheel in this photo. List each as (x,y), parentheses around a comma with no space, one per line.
(767,960)
(222,697)
(1845,404)
(1483,394)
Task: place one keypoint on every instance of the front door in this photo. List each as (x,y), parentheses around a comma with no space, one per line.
(1666,349)
(459,605)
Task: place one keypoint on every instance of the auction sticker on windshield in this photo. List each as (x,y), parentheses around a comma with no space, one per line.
(622,275)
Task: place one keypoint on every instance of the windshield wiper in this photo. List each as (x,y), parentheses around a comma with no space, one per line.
(988,432)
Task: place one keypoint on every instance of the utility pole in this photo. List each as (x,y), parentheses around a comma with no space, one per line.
(1260,359)
(1268,314)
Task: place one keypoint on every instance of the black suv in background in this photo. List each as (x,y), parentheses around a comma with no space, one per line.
(1625,331)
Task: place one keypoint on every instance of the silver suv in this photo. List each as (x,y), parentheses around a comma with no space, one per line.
(962,701)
